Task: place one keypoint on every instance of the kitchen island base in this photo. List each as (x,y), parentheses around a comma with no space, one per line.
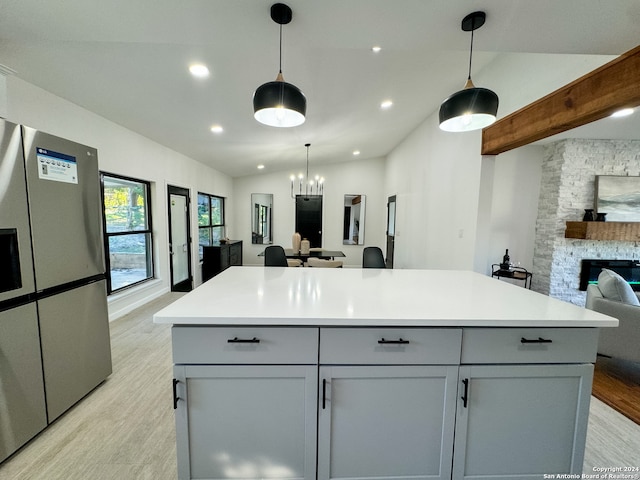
(387,374)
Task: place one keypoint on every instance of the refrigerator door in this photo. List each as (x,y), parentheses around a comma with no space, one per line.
(64,202)
(15,235)
(22,407)
(76,350)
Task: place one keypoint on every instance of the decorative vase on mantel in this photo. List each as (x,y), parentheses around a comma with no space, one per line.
(295,242)
(601,217)
(588,215)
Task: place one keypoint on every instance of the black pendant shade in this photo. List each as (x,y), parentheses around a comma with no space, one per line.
(468,109)
(471,108)
(278,103)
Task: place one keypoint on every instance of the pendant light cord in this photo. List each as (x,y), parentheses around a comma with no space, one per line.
(308,145)
(471,53)
(281,48)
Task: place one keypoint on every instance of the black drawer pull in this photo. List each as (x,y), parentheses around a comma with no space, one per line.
(393,342)
(465,395)
(175,393)
(324,393)
(243,340)
(537,340)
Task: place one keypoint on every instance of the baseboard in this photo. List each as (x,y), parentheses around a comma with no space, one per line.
(127,301)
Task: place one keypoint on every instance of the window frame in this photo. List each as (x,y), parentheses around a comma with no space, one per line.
(148,232)
(210,226)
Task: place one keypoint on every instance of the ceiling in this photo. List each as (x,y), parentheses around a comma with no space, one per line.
(127,60)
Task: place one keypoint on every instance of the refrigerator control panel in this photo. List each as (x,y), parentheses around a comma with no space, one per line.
(56,166)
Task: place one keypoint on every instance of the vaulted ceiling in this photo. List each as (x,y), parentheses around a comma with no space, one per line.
(127,60)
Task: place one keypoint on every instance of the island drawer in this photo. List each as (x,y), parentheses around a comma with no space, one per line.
(529,345)
(390,346)
(244,345)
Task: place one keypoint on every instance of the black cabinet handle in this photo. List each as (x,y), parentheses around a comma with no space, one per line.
(324,393)
(400,341)
(175,393)
(243,340)
(465,396)
(536,340)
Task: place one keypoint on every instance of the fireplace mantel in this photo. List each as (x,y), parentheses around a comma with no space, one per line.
(623,231)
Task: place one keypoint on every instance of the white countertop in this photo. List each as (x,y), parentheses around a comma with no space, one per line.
(370,297)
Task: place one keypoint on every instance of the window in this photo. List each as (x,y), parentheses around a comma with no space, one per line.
(127,231)
(210,220)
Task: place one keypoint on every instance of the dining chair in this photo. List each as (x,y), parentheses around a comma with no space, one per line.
(274,256)
(372,258)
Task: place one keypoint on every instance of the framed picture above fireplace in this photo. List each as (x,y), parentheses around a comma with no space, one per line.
(619,197)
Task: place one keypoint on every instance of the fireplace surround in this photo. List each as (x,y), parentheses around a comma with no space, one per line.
(567,187)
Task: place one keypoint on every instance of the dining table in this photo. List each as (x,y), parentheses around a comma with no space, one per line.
(325,254)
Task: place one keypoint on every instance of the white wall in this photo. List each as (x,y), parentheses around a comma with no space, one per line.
(516,188)
(124,152)
(435,176)
(355,177)
(457,210)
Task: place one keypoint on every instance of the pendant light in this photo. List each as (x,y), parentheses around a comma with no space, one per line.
(278,103)
(306,185)
(472,107)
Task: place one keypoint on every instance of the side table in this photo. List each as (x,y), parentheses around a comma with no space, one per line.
(516,273)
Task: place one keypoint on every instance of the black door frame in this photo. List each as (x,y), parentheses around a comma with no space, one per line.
(185,285)
(391,241)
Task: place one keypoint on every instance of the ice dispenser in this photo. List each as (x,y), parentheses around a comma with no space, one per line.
(9,260)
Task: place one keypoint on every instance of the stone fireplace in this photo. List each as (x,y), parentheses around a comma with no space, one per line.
(567,187)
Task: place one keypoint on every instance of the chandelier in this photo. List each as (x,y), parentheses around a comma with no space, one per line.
(305,185)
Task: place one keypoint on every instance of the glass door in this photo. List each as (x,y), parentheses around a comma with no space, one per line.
(179,240)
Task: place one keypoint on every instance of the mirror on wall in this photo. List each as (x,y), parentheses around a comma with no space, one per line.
(353,226)
(261,218)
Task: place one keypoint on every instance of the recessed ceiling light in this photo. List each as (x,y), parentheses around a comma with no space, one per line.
(356,152)
(217,129)
(199,70)
(376,49)
(386,104)
(622,113)
(260,167)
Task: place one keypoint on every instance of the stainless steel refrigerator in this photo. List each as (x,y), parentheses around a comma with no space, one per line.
(54,331)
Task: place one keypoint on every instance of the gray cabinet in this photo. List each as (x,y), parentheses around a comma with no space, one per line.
(521,421)
(386,422)
(523,404)
(385,403)
(250,422)
(246,402)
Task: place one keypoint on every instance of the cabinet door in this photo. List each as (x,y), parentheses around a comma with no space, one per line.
(249,422)
(235,253)
(521,420)
(225,257)
(386,422)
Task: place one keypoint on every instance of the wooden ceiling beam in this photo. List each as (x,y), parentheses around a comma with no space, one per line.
(591,97)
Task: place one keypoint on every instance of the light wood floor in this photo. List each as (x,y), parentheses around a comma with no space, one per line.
(124,430)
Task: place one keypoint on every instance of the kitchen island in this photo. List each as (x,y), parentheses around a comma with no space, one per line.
(359,373)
